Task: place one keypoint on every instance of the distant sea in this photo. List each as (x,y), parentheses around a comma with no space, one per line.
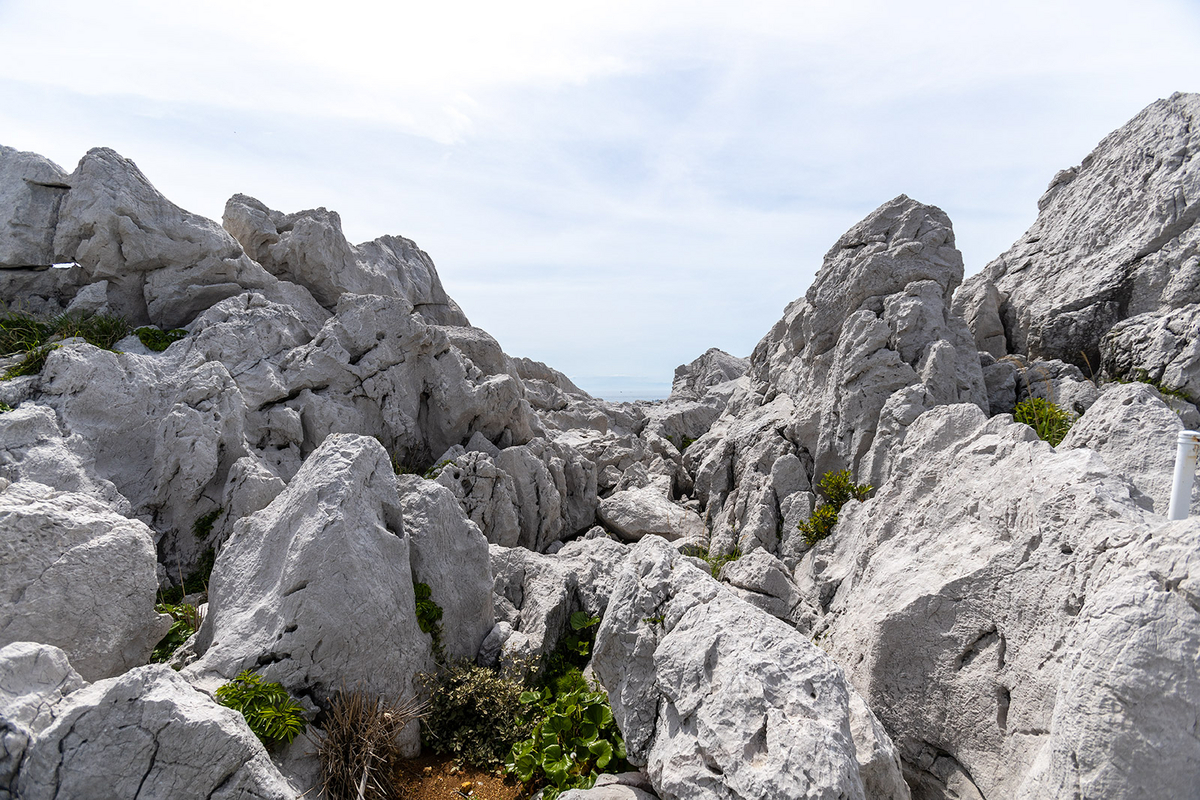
(621,389)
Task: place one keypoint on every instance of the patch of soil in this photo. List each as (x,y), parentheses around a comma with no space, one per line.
(429,777)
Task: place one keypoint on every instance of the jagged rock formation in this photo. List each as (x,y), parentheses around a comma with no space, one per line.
(31,189)
(836,381)
(1116,237)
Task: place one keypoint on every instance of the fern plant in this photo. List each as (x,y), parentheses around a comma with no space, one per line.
(274,716)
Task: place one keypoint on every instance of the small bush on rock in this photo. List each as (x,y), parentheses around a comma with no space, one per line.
(837,489)
(269,710)
(475,715)
(186,621)
(357,747)
(1050,422)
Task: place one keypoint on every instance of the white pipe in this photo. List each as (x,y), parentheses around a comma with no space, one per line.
(1185,474)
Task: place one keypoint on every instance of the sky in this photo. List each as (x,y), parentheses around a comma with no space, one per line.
(614,187)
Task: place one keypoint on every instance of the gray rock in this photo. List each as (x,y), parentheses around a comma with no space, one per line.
(40,291)
(528,369)
(1134,431)
(714,367)
(1162,347)
(1115,237)
(487,494)
(31,190)
(614,791)
(764,581)
(449,554)
(33,679)
(79,576)
(634,513)
(960,596)
(316,590)
(147,734)
(555,488)
(717,698)
(308,248)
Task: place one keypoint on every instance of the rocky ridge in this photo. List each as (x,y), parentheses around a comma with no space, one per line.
(1000,618)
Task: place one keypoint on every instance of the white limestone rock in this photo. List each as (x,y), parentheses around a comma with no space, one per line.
(634,513)
(450,555)
(1134,431)
(717,698)
(765,582)
(1160,346)
(33,679)
(555,488)
(79,576)
(163,265)
(487,494)
(316,590)
(960,596)
(147,733)
(31,190)
(715,367)
(1115,237)
(40,291)
(309,248)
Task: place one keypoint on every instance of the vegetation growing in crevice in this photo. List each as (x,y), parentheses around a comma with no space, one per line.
(357,745)
(836,489)
(203,526)
(157,339)
(475,714)
(24,334)
(1049,421)
(429,616)
(1142,376)
(186,620)
(716,562)
(272,714)
(195,582)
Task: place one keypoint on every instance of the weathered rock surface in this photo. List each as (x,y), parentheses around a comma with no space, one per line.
(1134,431)
(31,190)
(33,679)
(715,367)
(147,733)
(487,494)
(77,575)
(555,489)
(634,513)
(717,698)
(316,590)
(1161,347)
(838,380)
(1115,237)
(309,248)
(449,554)
(964,601)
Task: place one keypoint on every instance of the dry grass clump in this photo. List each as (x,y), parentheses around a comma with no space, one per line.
(358,745)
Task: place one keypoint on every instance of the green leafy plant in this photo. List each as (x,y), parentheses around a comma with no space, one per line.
(357,746)
(159,340)
(4,407)
(836,489)
(1048,420)
(475,714)
(203,526)
(561,668)
(429,616)
(274,716)
(573,740)
(185,621)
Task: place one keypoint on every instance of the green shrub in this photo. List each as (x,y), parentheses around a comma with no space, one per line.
(836,489)
(475,715)
(203,526)
(269,710)
(1050,422)
(429,616)
(186,621)
(357,745)
(159,340)
(573,740)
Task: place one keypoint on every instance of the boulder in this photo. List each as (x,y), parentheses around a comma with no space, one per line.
(555,488)
(1163,347)
(78,576)
(450,555)
(31,191)
(1115,237)
(316,590)
(487,495)
(715,367)
(147,733)
(964,600)
(33,679)
(634,513)
(309,248)
(1135,433)
(717,698)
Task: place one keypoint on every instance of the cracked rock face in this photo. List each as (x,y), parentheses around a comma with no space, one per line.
(77,575)
(316,590)
(31,190)
(33,679)
(1115,237)
(147,733)
(1161,347)
(719,699)
(966,600)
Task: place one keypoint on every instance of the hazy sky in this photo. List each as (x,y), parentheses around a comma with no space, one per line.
(608,187)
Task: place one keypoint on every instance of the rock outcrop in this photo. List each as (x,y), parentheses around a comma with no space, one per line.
(31,190)
(1116,237)
(33,679)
